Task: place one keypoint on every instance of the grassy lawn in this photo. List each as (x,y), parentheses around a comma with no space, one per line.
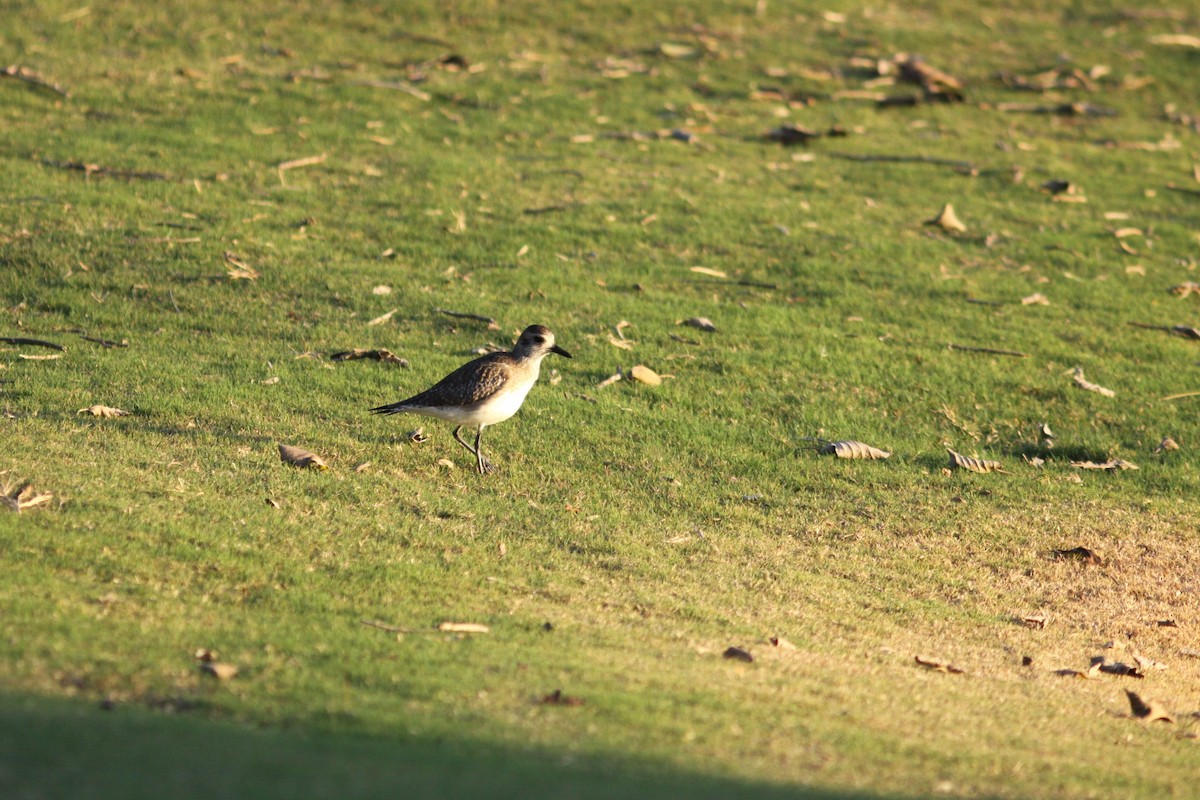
(236,192)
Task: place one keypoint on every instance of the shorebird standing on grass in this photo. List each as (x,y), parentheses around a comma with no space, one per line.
(485,391)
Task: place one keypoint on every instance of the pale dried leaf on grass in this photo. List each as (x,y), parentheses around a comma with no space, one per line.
(23,498)
(937,665)
(959,461)
(623,344)
(385,356)
(382,289)
(854,449)
(643,374)
(416,436)
(382,318)
(1166,445)
(713,273)
(1084,383)
(1147,710)
(781,643)
(946,219)
(702,323)
(218,669)
(1035,621)
(1037,298)
(1176,40)
(610,380)
(463,627)
(299,457)
(107,412)
(1186,288)
(1112,464)
(237,270)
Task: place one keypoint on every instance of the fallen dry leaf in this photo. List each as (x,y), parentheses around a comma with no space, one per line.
(463,627)
(1037,298)
(557,698)
(959,461)
(1091,674)
(237,270)
(737,654)
(299,457)
(624,344)
(703,323)
(1035,621)
(385,356)
(1111,464)
(937,665)
(382,318)
(1166,445)
(1186,288)
(1084,554)
(673,50)
(1176,40)
(947,220)
(781,643)
(714,273)
(643,374)
(103,411)
(1146,709)
(218,669)
(23,498)
(610,380)
(1084,383)
(853,449)
(416,435)
(382,289)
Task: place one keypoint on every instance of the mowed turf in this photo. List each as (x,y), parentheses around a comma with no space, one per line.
(227,186)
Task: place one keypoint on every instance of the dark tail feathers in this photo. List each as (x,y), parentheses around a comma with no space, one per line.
(394,408)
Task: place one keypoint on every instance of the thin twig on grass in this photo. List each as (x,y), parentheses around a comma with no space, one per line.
(307,161)
(104,342)
(33,342)
(491,323)
(97,169)
(27,75)
(990,350)
(1181,395)
(383,626)
(401,86)
(963,166)
(1061,109)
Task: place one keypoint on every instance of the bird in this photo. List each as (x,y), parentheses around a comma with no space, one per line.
(485,391)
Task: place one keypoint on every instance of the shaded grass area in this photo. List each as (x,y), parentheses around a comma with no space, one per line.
(650,527)
(56,749)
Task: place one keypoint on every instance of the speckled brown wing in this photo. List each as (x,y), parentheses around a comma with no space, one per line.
(471,383)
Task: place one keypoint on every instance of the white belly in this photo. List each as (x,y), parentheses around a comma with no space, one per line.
(496,409)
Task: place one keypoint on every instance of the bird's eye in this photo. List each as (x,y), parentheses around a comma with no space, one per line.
(539,340)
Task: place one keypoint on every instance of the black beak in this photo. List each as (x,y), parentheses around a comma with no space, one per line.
(560,351)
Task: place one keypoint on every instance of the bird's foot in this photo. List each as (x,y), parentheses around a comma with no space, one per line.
(485,466)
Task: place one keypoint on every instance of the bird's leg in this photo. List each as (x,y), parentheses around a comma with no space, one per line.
(481,461)
(463,442)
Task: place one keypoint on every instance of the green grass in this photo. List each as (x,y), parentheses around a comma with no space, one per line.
(651,527)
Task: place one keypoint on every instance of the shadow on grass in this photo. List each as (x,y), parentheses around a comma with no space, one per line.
(52,748)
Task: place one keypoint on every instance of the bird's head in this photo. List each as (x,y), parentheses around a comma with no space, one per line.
(536,341)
